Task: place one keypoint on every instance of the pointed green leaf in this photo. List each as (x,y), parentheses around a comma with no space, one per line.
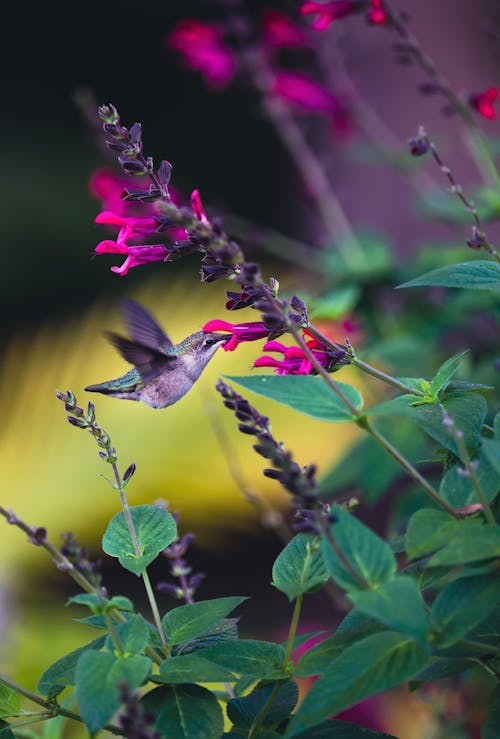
(469,545)
(260,659)
(457,489)
(224,630)
(446,372)
(337,729)
(461,605)
(133,635)
(300,566)
(397,603)
(10,701)
(155,529)
(304,393)
(430,529)
(98,676)
(368,554)
(62,671)
(374,664)
(480,275)
(191,668)
(186,622)
(185,712)
(243,711)
(5,731)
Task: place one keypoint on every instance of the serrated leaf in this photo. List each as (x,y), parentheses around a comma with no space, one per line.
(185,712)
(62,671)
(396,603)
(10,701)
(479,275)
(446,372)
(468,545)
(191,668)
(189,621)
(260,659)
(244,711)
(98,676)
(300,567)
(337,729)
(368,554)
(304,393)
(374,664)
(461,605)
(155,529)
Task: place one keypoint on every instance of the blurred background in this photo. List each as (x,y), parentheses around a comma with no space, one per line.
(56,299)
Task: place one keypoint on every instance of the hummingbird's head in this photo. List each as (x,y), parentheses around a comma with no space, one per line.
(202,345)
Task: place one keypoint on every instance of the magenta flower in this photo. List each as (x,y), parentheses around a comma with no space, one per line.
(252,331)
(377,14)
(108,187)
(328,12)
(130,227)
(294,361)
(197,207)
(484,103)
(202,48)
(279,30)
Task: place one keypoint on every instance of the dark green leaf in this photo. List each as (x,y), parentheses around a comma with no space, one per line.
(491,449)
(337,729)
(155,529)
(397,603)
(185,712)
(461,605)
(374,664)
(480,275)
(98,676)
(457,489)
(62,672)
(368,554)
(191,668)
(439,668)
(189,621)
(121,603)
(133,635)
(243,711)
(10,701)
(300,567)
(5,731)
(491,727)
(469,545)
(91,600)
(446,372)
(260,659)
(430,529)
(224,630)
(304,393)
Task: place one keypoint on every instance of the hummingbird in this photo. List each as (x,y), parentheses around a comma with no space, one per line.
(163,371)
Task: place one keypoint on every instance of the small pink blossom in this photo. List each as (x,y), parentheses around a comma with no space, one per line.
(202,47)
(295,361)
(279,30)
(130,227)
(252,331)
(484,102)
(377,14)
(108,186)
(197,207)
(328,12)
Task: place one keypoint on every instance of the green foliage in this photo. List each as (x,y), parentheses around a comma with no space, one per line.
(185,711)
(478,275)
(187,622)
(62,672)
(192,668)
(300,567)
(155,529)
(259,659)
(10,702)
(243,712)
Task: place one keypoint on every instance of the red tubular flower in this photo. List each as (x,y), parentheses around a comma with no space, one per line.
(280,31)
(130,227)
(328,12)
(202,48)
(483,102)
(377,15)
(197,207)
(252,331)
(295,361)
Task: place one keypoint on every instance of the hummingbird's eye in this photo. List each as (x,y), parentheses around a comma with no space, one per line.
(210,341)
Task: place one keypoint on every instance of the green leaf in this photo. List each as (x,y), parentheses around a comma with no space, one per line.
(461,605)
(337,729)
(5,732)
(133,635)
(376,663)
(243,711)
(193,619)
(300,568)
(446,372)
(367,553)
(224,630)
(191,668)
(10,701)
(480,275)
(185,712)
(354,627)
(491,449)
(491,727)
(120,602)
(335,304)
(430,529)
(91,600)
(155,529)
(62,671)
(260,659)
(457,489)
(469,545)
(304,393)
(98,676)
(439,668)
(398,604)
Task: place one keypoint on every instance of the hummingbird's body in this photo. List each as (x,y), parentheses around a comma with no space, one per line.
(163,371)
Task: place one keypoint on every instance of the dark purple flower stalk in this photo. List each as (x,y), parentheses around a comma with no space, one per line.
(77,555)
(86,420)
(188,582)
(135,722)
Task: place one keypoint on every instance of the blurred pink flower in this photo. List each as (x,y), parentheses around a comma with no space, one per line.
(279,30)
(197,207)
(108,186)
(295,361)
(328,12)
(483,102)
(130,227)
(377,14)
(202,48)
(252,331)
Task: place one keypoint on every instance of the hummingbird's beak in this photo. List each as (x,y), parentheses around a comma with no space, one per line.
(218,336)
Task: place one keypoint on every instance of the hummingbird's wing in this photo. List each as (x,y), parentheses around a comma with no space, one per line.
(149,362)
(143,328)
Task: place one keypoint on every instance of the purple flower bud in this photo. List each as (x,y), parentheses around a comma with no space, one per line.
(418,146)
(38,536)
(135,133)
(246,429)
(164,172)
(129,472)
(478,239)
(78,422)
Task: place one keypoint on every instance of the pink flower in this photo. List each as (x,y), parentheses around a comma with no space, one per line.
(328,12)
(197,207)
(295,361)
(252,331)
(130,227)
(278,30)
(308,95)
(377,15)
(483,102)
(108,186)
(202,48)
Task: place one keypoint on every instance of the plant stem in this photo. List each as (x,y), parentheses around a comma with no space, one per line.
(347,564)
(294,623)
(133,535)
(479,646)
(265,710)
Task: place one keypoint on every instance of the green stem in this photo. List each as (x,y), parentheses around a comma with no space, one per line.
(294,623)
(135,542)
(265,710)
(345,561)
(485,648)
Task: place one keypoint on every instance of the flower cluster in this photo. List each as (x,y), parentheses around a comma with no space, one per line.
(77,555)
(87,420)
(295,361)
(179,568)
(326,13)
